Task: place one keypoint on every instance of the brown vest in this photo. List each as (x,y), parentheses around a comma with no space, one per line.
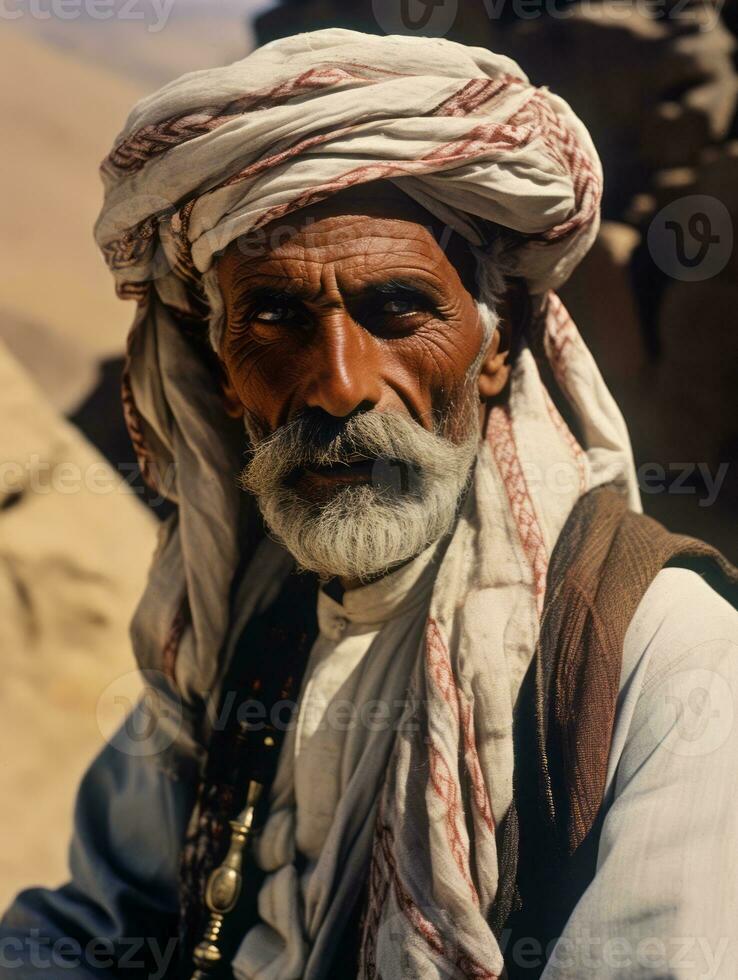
(604,561)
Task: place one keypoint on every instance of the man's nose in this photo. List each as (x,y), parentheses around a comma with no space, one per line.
(344,373)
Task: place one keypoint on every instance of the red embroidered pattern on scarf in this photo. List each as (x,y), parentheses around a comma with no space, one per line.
(480,797)
(561,334)
(501,440)
(379,884)
(148,142)
(129,249)
(134,152)
(463,961)
(443,779)
(564,147)
(441,671)
(132,417)
(475,93)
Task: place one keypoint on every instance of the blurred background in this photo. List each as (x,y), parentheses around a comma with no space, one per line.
(655,81)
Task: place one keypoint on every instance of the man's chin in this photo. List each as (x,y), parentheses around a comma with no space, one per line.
(352,531)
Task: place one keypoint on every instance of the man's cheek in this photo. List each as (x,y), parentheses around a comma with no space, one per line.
(281,381)
(264,389)
(447,353)
(261,408)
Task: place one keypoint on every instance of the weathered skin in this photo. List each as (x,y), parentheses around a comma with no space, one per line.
(313,321)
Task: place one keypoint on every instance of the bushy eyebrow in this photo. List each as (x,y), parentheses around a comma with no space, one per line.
(271,293)
(248,297)
(284,292)
(391,287)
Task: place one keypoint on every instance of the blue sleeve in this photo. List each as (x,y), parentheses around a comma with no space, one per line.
(117,916)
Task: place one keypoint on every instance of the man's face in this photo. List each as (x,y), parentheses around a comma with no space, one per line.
(349,345)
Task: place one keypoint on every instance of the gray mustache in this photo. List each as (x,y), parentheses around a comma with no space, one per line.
(312,440)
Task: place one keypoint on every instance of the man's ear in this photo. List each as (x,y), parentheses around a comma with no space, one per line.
(495,370)
(496,367)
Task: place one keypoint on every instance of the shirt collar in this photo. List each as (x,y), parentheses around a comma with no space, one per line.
(394,594)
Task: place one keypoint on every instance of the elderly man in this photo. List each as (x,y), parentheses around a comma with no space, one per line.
(428,697)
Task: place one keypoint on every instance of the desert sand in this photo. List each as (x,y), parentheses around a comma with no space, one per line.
(73,560)
(74,549)
(63,117)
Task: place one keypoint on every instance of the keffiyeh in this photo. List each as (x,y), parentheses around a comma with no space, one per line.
(222,152)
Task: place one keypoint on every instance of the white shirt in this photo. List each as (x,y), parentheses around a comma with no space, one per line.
(333,697)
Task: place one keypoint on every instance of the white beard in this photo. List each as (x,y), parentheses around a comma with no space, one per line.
(362,531)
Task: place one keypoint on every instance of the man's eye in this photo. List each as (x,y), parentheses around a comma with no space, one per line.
(274,314)
(396,307)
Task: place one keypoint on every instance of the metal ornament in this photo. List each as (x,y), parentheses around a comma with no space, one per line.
(225,882)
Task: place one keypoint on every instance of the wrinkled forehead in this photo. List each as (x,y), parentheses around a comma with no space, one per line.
(376,220)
